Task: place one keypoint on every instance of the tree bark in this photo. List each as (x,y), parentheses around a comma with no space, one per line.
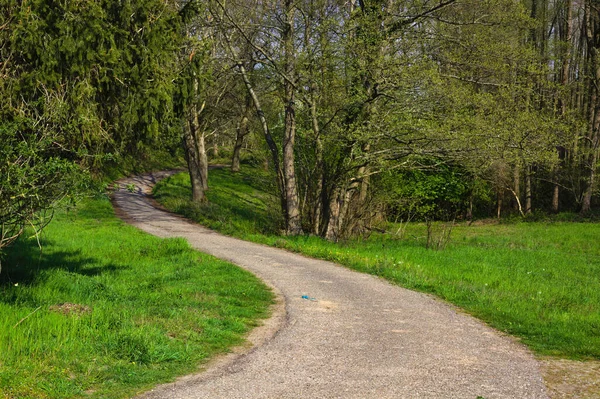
(332,232)
(202,158)
(517,187)
(195,150)
(242,129)
(555,196)
(566,61)
(339,207)
(365,179)
(197,134)
(293,225)
(499,202)
(586,204)
(191,157)
(318,200)
(564,99)
(592,21)
(193,142)
(265,128)
(528,192)
(293,221)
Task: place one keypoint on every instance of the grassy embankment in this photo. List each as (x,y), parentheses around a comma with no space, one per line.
(537,281)
(106,311)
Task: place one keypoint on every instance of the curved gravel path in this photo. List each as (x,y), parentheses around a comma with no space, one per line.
(356,336)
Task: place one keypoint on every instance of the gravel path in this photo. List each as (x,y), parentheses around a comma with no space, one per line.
(356,336)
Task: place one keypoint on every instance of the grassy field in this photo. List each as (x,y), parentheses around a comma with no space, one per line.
(537,281)
(106,311)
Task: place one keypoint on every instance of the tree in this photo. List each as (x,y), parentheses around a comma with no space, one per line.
(347,90)
(592,37)
(282,62)
(83,83)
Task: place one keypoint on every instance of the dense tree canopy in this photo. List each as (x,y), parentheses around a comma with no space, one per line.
(83,83)
(412,85)
(364,110)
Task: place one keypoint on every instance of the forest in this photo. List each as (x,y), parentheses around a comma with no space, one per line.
(362,110)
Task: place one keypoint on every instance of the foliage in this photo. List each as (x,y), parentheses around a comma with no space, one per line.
(84,84)
(106,311)
(501,90)
(111,64)
(439,193)
(379,89)
(32,179)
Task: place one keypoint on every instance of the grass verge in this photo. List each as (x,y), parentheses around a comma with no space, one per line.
(537,281)
(106,311)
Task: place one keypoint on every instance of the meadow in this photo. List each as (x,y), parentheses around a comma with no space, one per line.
(538,281)
(106,311)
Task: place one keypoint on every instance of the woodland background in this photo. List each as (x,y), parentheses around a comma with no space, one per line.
(363,111)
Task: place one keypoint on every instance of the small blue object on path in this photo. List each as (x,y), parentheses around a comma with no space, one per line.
(307,297)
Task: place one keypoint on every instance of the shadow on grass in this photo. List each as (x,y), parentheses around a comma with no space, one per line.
(23,263)
(233,207)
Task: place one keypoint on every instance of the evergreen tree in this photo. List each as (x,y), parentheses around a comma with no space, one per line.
(83,82)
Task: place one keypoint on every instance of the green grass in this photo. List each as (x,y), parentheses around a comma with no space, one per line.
(537,281)
(106,311)
(234,205)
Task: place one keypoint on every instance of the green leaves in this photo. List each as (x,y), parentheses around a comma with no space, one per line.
(79,80)
(32,180)
(435,191)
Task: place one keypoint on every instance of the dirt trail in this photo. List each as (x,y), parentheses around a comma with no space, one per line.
(343,334)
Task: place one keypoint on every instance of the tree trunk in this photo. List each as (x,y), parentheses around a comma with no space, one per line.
(365,179)
(340,216)
(586,204)
(528,198)
(316,183)
(195,150)
(266,131)
(332,231)
(241,132)
(202,158)
(564,99)
(191,157)
(343,219)
(593,42)
(318,200)
(516,186)
(499,201)
(293,221)
(555,197)
(566,61)
(198,195)
(293,225)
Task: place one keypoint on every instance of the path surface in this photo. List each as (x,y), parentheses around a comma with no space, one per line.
(360,337)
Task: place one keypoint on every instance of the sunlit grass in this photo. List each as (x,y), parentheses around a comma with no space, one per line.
(537,281)
(234,206)
(106,311)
